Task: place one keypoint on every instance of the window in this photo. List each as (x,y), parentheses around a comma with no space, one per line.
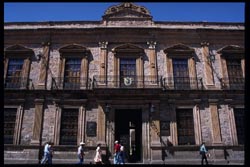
(73,68)
(72,73)
(128,67)
(232,67)
(69,127)
(128,72)
(181,70)
(239,121)
(17,66)
(9,125)
(181,76)
(14,73)
(235,76)
(185,126)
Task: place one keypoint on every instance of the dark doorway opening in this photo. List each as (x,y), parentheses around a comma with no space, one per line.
(128,130)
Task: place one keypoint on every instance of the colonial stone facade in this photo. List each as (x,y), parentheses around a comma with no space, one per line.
(160,88)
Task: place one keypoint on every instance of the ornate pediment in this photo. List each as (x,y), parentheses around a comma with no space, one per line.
(127,10)
(73,48)
(179,49)
(231,49)
(18,48)
(128,48)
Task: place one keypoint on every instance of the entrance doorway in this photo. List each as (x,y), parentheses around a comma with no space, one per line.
(128,130)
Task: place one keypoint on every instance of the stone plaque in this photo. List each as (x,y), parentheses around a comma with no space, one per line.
(165,128)
(91,129)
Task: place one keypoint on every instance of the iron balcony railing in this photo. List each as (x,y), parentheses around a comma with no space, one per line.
(129,81)
(182,83)
(236,83)
(70,83)
(16,83)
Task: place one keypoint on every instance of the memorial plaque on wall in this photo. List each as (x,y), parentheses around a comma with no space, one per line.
(165,128)
(91,129)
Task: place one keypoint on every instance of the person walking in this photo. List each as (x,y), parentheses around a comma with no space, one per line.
(122,154)
(98,155)
(47,157)
(203,152)
(80,153)
(117,152)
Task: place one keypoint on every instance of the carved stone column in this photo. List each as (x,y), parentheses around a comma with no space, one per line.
(103,61)
(173,125)
(101,125)
(155,127)
(197,125)
(84,71)
(37,126)
(152,60)
(81,124)
(44,66)
(215,122)
(207,64)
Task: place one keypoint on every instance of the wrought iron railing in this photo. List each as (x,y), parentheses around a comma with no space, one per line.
(236,83)
(70,83)
(182,83)
(16,83)
(130,81)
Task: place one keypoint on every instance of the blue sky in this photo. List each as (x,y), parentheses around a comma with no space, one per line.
(210,12)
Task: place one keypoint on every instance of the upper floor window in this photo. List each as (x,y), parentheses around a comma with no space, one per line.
(127,72)
(14,73)
(234,73)
(181,71)
(16,67)
(233,67)
(128,66)
(73,70)
(72,73)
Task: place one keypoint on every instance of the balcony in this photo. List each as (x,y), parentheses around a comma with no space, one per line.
(16,83)
(181,83)
(126,82)
(236,83)
(70,83)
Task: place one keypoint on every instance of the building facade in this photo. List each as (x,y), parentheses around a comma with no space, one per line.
(160,88)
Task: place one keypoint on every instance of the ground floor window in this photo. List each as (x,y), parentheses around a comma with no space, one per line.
(9,125)
(69,127)
(185,126)
(239,121)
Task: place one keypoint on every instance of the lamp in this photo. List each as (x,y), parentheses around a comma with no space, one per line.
(152,108)
(107,109)
(211,57)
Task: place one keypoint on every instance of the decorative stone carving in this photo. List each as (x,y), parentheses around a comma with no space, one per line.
(152,44)
(128,6)
(103,45)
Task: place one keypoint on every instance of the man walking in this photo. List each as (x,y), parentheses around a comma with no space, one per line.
(203,152)
(47,153)
(80,153)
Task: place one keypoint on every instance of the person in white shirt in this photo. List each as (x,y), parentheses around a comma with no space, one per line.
(80,153)
(203,152)
(47,154)
(122,154)
(98,155)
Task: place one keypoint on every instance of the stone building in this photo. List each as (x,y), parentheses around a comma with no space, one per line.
(160,88)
